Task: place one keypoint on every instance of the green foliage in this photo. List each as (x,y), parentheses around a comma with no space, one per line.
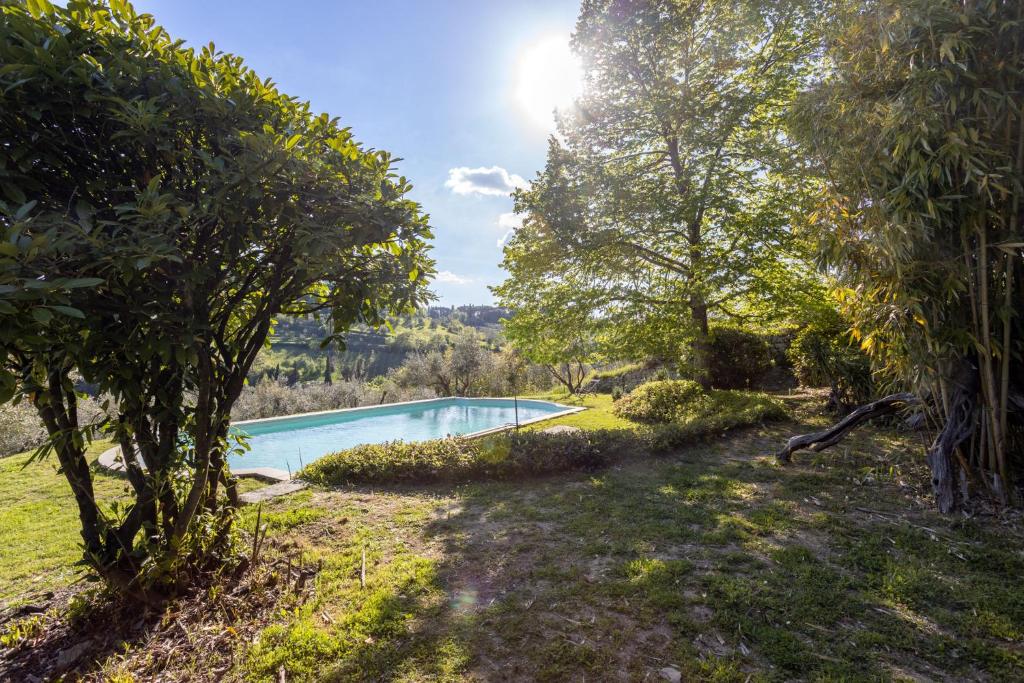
(151,250)
(718,413)
(737,358)
(667,198)
(509,455)
(550,327)
(916,128)
(659,401)
(824,355)
(619,371)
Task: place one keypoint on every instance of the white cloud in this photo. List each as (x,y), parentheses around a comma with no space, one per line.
(449,278)
(509,222)
(483,180)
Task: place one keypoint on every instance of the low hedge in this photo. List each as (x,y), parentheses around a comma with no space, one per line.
(712,414)
(519,454)
(457,459)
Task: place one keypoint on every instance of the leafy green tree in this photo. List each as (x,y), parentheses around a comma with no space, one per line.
(456,371)
(918,133)
(667,197)
(551,328)
(165,204)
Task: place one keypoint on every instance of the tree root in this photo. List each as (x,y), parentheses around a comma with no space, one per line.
(819,441)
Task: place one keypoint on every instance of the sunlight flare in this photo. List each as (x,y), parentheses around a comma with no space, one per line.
(548,77)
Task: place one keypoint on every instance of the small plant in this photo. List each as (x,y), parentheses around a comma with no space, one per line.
(616,393)
(718,412)
(18,631)
(658,401)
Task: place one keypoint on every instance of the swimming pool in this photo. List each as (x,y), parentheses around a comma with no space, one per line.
(287,443)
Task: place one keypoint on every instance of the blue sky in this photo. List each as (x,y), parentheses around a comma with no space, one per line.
(433,81)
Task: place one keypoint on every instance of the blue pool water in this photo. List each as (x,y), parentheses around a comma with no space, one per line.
(290,442)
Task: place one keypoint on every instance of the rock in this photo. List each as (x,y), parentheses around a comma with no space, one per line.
(561,429)
(272,491)
(69,657)
(671,674)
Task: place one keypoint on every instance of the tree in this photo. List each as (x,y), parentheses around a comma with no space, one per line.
(917,130)
(669,192)
(328,367)
(170,204)
(452,372)
(550,327)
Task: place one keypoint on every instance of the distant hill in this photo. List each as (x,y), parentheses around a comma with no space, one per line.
(295,351)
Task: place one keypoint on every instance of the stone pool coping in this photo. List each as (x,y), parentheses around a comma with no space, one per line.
(568,410)
(282,482)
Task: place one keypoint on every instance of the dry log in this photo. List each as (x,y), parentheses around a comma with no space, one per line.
(819,441)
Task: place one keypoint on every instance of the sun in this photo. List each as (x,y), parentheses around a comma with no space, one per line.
(548,77)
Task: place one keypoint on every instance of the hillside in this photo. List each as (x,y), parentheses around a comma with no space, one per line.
(295,347)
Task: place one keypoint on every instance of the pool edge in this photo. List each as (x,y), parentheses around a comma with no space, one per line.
(110,459)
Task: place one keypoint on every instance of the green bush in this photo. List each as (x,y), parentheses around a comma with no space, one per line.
(658,401)
(823,355)
(617,372)
(520,454)
(717,412)
(457,459)
(737,359)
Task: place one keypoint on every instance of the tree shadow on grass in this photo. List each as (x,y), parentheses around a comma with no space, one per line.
(717,563)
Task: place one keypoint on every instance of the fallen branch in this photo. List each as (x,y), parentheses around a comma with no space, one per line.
(819,441)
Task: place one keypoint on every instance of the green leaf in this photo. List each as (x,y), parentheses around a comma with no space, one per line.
(83,282)
(24,210)
(69,311)
(42,315)
(37,8)
(8,385)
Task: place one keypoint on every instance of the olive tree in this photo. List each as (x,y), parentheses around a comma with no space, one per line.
(165,204)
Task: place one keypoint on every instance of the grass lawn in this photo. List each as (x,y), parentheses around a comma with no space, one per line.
(598,415)
(39,524)
(714,562)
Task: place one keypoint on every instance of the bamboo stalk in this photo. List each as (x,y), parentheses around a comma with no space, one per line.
(997,455)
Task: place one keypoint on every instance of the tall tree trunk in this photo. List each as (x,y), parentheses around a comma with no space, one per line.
(701,362)
(961,423)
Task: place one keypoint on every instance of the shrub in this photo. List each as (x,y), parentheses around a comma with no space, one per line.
(271,398)
(520,454)
(823,355)
(717,412)
(612,373)
(457,459)
(737,358)
(658,401)
(616,393)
